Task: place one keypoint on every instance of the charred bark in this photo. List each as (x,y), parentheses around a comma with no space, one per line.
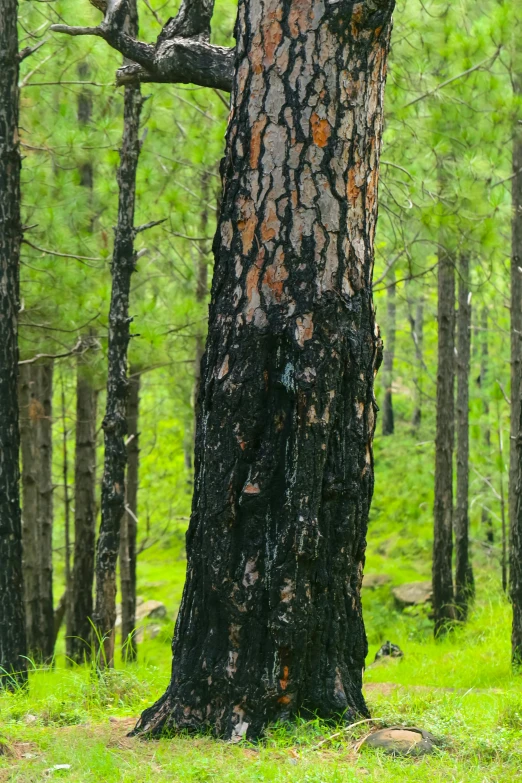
(129,525)
(270,623)
(464,583)
(443,606)
(515,465)
(12,617)
(79,628)
(30,411)
(389,355)
(45,509)
(115,420)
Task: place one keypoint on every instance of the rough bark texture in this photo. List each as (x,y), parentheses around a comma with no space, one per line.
(79,628)
(30,411)
(129,526)
(464,584)
(515,469)
(486,517)
(115,420)
(12,620)
(388,356)
(270,622)
(45,509)
(443,607)
(201,290)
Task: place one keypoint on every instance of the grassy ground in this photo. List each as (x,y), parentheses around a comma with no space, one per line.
(461,689)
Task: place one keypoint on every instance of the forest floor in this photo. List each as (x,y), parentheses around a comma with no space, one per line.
(71,725)
(461,690)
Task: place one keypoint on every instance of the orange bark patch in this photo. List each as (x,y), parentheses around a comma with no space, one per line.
(251,489)
(252,286)
(270,225)
(224,368)
(247,224)
(283,682)
(272,35)
(284,699)
(352,190)
(255,141)
(320,130)
(298,18)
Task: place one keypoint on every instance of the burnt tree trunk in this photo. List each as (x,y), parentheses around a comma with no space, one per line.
(80,600)
(201,290)
(115,420)
(45,509)
(389,355)
(12,616)
(271,623)
(443,607)
(464,584)
(515,465)
(29,415)
(129,524)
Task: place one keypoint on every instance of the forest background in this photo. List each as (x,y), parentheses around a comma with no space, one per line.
(451,117)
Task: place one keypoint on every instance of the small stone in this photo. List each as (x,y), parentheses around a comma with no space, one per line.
(402,741)
(150,609)
(413,593)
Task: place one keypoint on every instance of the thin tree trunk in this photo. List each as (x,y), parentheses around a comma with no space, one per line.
(115,420)
(443,607)
(67,512)
(45,509)
(29,416)
(270,623)
(504,556)
(389,355)
(417,330)
(464,583)
(79,630)
(12,617)
(515,463)
(129,527)
(487,519)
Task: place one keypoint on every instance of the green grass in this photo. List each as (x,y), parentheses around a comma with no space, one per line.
(461,689)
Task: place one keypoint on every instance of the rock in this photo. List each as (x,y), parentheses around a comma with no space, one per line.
(402,741)
(150,609)
(372,581)
(146,632)
(413,593)
(389,650)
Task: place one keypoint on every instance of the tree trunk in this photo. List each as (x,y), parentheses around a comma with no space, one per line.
(487,519)
(270,623)
(129,526)
(12,617)
(79,629)
(417,333)
(45,509)
(30,412)
(443,607)
(388,356)
(201,291)
(115,420)
(515,464)
(464,583)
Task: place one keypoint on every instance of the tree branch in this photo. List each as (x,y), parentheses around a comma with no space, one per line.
(182,53)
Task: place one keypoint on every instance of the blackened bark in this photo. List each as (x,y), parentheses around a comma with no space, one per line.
(45,509)
(270,622)
(389,355)
(79,628)
(30,412)
(464,583)
(201,292)
(515,465)
(115,420)
(129,526)
(443,607)
(12,620)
